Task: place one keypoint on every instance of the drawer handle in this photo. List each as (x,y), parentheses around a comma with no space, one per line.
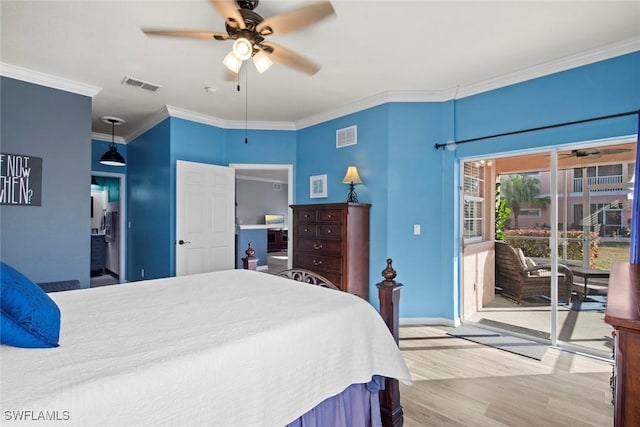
(317,262)
(329,216)
(306,215)
(306,230)
(317,246)
(328,231)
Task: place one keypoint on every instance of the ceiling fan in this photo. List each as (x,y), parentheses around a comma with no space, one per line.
(249,31)
(596,153)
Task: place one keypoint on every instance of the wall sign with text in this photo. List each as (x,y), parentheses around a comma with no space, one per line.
(20,179)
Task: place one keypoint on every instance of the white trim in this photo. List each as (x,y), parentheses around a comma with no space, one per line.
(123,219)
(289,169)
(107,138)
(428,321)
(150,122)
(255,178)
(601,53)
(42,79)
(227,124)
(555,66)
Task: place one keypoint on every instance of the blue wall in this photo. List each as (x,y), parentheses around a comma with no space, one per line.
(421,182)
(317,155)
(150,202)
(52,241)
(152,181)
(406,179)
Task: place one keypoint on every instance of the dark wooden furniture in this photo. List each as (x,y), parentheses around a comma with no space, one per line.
(520,281)
(333,240)
(389,295)
(588,273)
(623,314)
(306,276)
(98,252)
(277,239)
(391,412)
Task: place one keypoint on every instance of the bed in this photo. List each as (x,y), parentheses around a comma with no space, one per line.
(229,348)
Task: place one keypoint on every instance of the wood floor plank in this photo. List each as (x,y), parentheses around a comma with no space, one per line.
(460,383)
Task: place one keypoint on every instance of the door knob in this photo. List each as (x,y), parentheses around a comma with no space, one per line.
(183,242)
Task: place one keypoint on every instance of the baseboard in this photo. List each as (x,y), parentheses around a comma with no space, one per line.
(428,321)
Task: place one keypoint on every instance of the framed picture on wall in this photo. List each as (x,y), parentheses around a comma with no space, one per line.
(318,186)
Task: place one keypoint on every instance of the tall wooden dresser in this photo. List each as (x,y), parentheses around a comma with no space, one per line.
(623,314)
(332,240)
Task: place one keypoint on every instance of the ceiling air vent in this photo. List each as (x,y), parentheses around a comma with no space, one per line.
(347,136)
(132,81)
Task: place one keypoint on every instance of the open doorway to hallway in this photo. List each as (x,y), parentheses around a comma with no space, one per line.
(107,231)
(264,193)
(589,194)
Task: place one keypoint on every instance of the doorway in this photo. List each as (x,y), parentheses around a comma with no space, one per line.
(572,209)
(107,231)
(263,199)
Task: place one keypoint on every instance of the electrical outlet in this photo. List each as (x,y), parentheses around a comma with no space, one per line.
(142,273)
(416,229)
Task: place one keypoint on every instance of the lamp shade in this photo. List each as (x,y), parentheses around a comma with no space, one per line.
(232,63)
(262,62)
(352,177)
(112,157)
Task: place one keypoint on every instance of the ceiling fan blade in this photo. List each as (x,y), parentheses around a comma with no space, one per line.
(296,19)
(607,151)
(290,58)
(192,34)
(229,11)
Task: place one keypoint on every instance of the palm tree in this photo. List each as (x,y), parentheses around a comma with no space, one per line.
(518,190)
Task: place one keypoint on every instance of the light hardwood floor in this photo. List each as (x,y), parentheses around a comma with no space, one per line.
(461,383)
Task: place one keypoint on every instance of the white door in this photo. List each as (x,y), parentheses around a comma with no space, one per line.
(205,218)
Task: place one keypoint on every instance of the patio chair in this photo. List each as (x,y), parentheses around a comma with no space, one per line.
(521,278)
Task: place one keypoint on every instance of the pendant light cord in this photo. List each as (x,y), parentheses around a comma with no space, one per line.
(246,106)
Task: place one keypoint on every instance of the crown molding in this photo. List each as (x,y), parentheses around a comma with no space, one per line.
(376,100)
(227,124)
(150,122)
(551,67)
(42,79)
(107,138)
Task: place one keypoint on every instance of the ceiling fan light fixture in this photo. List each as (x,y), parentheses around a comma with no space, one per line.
(242,49)
(232,62)
(262,62)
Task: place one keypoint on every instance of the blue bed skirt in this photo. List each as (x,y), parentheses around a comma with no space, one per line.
(357,406)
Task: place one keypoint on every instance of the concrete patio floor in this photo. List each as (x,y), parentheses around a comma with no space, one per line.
(584,328)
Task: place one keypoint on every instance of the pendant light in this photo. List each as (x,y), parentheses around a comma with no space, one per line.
(112,157)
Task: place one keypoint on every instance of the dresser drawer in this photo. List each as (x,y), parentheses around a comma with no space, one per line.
(320,247)
(306,216)
(330,215)
(308,231)
(319,263)
(329,231)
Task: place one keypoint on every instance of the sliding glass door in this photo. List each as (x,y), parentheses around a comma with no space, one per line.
(569,209)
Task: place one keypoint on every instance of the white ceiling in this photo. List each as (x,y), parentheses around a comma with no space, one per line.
(369,48)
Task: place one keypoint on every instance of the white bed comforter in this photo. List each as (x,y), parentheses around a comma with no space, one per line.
(232,348)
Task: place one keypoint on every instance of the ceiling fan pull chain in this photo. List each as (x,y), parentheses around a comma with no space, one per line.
(246,105)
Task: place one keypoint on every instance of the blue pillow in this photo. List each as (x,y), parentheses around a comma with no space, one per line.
(30,318)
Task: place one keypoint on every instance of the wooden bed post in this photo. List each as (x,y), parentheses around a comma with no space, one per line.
(389,295)
(250,262)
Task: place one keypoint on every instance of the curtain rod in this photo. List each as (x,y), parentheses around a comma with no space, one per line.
(516,132)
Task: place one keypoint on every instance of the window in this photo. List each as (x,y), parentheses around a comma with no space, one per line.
(601,175)
(473,195)
(605,219)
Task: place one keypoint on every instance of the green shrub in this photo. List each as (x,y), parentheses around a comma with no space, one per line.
(535,243)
